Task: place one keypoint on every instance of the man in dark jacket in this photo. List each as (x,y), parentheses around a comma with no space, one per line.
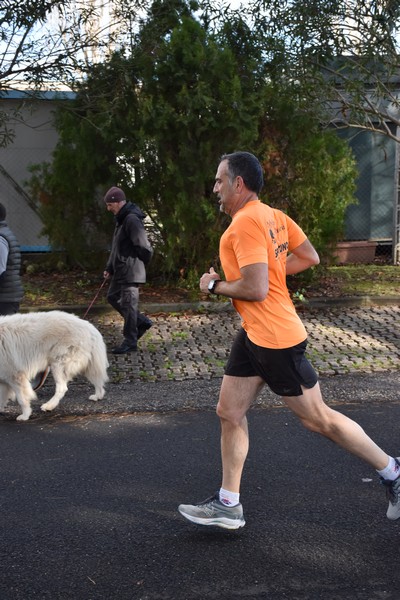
(130,254)
(11,290)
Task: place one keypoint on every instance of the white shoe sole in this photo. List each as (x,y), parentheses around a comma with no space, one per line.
(217,522)
(393,513)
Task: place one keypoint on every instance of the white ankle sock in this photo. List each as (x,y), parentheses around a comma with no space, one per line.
(392,471)
(228,498)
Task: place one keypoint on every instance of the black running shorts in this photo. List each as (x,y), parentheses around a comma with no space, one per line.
(284,371)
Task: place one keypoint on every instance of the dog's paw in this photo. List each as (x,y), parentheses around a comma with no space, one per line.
(47,407)
(23,417)
(99,394)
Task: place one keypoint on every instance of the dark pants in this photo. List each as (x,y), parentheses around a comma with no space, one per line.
(9,308)
(125,300)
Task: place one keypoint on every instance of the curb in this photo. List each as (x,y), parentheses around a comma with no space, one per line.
(217,306)
(359,301)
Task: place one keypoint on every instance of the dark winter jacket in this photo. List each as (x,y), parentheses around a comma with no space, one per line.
(11,289)
(130,250)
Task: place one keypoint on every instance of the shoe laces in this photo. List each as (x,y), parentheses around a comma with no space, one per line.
(207,505)
(392,489)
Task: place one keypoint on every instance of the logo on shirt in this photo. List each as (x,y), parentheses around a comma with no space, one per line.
(279,248)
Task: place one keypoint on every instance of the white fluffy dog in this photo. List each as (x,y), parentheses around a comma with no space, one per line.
(31,342)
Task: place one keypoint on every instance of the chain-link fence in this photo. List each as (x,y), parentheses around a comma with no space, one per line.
(370,224)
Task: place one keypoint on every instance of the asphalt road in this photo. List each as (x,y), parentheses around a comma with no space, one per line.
(89,503)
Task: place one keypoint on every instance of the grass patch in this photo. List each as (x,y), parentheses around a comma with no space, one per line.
(80,287)
(183,335)
(364,280)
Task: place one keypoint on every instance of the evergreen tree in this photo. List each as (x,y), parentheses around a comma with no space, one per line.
(155,122)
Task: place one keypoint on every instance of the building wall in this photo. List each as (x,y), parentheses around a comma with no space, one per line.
(35,139)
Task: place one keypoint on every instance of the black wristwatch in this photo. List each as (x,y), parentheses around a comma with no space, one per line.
(212,285)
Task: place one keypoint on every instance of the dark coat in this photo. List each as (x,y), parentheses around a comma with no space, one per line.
(131,250)
(11,289)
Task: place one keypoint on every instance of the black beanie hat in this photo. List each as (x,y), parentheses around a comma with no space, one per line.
(114,194)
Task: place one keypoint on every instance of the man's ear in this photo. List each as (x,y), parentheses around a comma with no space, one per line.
(239,183)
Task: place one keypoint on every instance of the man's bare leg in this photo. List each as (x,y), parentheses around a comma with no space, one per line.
(317,416)
(236,396)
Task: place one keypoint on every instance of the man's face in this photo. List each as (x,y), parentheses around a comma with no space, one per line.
(114,207)
(224,188)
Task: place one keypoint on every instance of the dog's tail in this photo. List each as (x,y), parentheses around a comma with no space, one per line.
(96,370)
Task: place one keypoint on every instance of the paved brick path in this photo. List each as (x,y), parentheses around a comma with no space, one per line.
(184,346)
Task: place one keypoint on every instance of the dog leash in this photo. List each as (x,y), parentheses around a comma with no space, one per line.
(94,299)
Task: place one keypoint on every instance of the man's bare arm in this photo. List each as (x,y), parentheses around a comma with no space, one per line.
(301,258)
(251,286)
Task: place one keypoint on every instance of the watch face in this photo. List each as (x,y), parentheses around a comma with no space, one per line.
(212,284)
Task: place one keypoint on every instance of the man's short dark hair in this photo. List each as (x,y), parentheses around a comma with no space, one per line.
(248,167)
(3,212)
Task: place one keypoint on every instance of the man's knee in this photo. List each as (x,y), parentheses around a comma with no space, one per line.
(323,422)
(130,297)
(230,414)
(312,411)
(236,396)
(113,300)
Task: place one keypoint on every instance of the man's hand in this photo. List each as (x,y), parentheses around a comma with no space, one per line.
(206,278)
(252,286)
(106,275)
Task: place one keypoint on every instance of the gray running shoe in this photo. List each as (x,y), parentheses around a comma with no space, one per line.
(393,495)
(213,512)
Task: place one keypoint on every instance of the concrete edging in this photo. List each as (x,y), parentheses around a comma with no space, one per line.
(217,306)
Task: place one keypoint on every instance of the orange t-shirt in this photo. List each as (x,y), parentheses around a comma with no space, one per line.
(261,234)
